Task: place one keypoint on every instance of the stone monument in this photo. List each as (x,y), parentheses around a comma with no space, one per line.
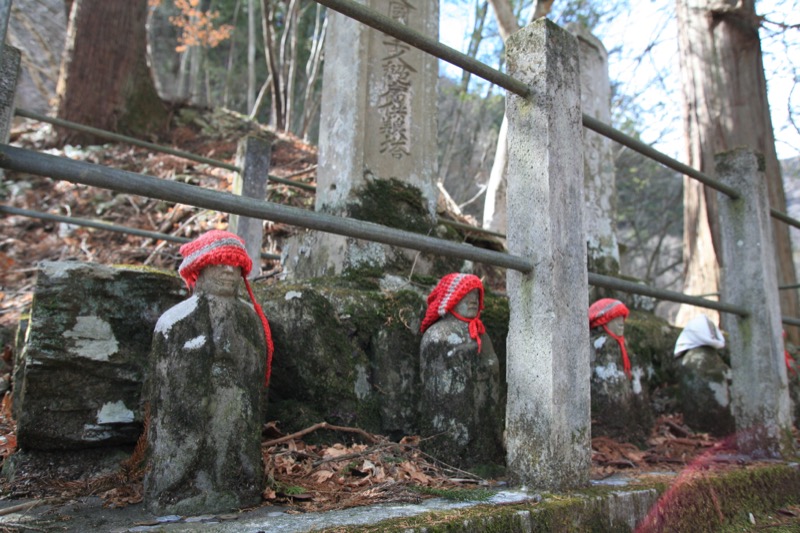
(207,368)
(620,400)
(599,216)
(704,378)
(460,404)
(377,148)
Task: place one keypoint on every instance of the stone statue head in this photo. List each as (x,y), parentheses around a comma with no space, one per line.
(460,295)
(699,331)
(219,280)
(617,326)
(214,248)
(604,311)
(469,305)
(610,315)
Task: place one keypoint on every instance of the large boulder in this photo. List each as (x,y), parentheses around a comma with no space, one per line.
(344,355)
(85,354)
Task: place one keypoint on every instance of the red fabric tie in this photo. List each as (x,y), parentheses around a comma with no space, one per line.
(476,327)
(626,363)
(790,364)
(267,332)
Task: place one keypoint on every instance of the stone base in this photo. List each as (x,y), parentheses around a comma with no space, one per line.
(316,254)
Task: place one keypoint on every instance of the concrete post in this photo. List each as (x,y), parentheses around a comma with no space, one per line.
(598,158)
(760,391)
(548,420)
(9,74)
(253,157)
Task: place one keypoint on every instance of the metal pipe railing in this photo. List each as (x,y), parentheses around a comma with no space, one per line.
(192,157)
(783,217)
(608,282)
(116,137)
(22,160)
(106,226)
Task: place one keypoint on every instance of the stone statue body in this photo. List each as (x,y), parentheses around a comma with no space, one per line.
(704,392)
(619,404)
(207,368)
(460,391)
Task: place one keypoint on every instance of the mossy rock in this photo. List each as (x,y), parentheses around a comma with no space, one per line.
(392,203)
(650,341)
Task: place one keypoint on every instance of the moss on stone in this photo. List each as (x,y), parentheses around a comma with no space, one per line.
(392,203)
(714,502)
(650,341)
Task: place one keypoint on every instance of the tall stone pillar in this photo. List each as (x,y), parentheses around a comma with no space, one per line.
(548,420)
(253,158)
(598,158)
(9,74)
(749,279)
(377,148)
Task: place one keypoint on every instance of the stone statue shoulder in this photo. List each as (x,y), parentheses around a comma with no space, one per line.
(176,314)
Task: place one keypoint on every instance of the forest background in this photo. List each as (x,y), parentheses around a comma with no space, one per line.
(264,60)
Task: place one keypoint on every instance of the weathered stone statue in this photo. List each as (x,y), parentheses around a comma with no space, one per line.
(704,378)
(620,400)
(460,404)
(207,378)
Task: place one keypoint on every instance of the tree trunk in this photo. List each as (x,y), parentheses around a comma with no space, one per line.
(104,80)
(276,118)
(312,97)
(251,55)
(506,20)
(494,210)
(725,96)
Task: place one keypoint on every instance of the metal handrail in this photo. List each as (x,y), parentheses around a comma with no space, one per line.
(106,226)
(132,183)
(150,146)
(22,160)
(211,162)
(608,282)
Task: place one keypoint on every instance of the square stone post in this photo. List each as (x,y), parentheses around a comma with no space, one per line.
(9,74)
(548,419)
(749,279)
(253,158)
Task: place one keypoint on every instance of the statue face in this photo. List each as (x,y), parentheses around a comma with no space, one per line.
(617,326)
(219,280)
(469,306)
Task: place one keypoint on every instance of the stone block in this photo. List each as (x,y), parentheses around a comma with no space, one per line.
(86,353)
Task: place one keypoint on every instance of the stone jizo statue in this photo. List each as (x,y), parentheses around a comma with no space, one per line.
(793,375)
(610,315)
(704,378)
(461,399)
(620,401)
(207,377)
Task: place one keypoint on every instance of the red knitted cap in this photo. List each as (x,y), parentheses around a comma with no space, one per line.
(605,310)
(218,247)
(446,295)
(213,248)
